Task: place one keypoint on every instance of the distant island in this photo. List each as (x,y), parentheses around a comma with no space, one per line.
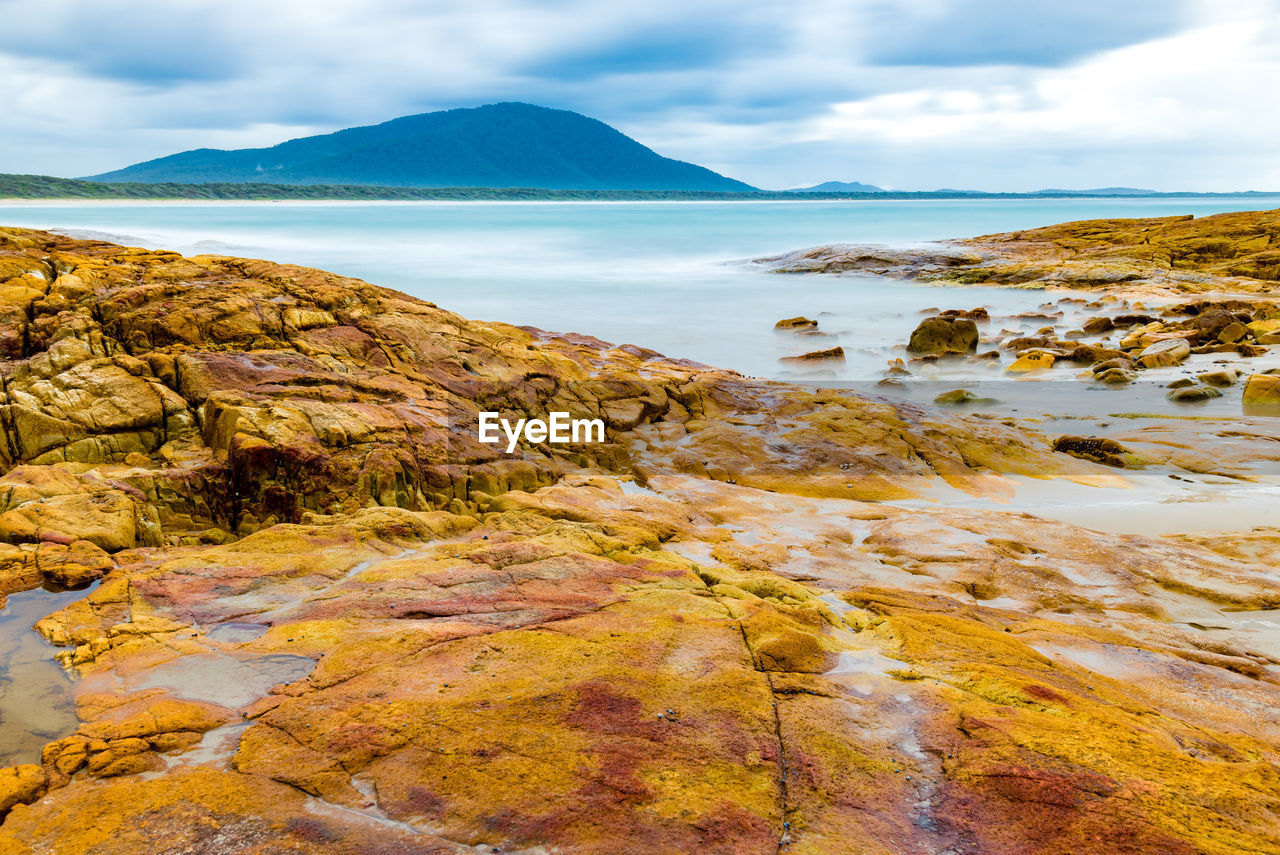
(839,187)
(859,187)
(497,145)
(1106,191)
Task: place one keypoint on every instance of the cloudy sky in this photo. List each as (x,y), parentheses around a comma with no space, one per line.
(906,94)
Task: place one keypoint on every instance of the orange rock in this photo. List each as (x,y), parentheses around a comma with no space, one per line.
(20,785)
(1262,390)
(696,636)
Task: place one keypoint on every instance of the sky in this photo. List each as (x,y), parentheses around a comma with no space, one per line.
(905,94)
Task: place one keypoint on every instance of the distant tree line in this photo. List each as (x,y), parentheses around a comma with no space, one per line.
(48,187)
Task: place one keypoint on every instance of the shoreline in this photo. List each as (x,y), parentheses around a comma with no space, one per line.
(324,596)
(20,201)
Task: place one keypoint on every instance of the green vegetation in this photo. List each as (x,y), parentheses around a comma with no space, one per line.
(47,187)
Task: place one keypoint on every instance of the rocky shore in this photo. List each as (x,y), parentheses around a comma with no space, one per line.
(1158,256)
(1159,290)
(326,618)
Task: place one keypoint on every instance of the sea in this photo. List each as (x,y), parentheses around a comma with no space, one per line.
(668,276)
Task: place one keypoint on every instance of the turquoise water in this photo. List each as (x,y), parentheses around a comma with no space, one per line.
(646,273)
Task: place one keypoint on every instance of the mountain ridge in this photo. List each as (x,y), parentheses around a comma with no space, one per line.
(839,187)
(509,144)
(1102,191)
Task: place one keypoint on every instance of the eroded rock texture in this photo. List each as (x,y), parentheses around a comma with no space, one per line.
(331,621)
(230,394)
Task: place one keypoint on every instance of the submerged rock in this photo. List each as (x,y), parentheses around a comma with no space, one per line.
(961,396)
(1031,360)
(796,323)
(956,396)
(1115,376)
(1188,394)
(1223,377)
(978,314)
(944,334)
(1098,449)
(830,354)
(897,368)
(1120,362)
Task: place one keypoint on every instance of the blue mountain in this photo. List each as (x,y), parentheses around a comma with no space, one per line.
(839,187)
(498,145)
(1103,191)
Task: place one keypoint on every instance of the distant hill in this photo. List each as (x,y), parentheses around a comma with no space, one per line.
(1104,191)
(498,145)
(839,187)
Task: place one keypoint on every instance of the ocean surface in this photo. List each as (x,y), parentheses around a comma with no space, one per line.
(663,275)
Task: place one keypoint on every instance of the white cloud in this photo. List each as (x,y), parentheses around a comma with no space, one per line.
(1190,111)
(776,94)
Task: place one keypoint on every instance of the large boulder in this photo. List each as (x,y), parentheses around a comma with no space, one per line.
(21,785)
(1260,329)
(1262,390)
(1171,351)
(1232,333)
(944,335)
(1210,324)
(45,504)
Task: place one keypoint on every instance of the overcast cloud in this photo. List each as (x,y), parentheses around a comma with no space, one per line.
(908,94)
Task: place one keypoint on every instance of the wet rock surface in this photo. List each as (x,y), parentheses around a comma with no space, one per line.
(1166,296)
(944,334)
(330,620)
(1262,389)
(831,353)
(1165,255)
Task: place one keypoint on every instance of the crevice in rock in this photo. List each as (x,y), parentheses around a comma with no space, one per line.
(784,836)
